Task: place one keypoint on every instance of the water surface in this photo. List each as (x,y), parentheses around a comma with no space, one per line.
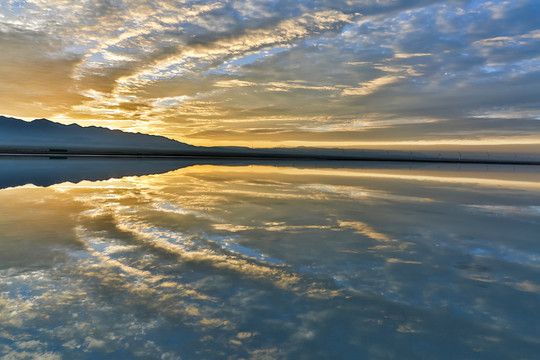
(296,261)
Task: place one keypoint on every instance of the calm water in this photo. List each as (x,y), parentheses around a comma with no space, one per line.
(367,261)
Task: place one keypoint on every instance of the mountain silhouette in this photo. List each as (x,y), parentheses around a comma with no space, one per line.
(42,135)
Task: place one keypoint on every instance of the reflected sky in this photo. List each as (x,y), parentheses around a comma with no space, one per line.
(266,262)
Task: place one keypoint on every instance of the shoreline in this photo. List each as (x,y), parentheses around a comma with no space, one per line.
(398,157)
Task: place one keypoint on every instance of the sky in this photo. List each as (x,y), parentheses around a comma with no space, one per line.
(339,73)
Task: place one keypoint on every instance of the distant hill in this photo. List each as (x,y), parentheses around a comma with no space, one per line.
(43,135)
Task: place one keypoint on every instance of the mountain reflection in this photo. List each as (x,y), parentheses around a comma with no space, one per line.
(43,171)
(265,262)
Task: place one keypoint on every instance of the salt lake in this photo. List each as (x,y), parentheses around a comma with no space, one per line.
(268,260)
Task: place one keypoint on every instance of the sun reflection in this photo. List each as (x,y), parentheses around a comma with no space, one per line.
(403,174)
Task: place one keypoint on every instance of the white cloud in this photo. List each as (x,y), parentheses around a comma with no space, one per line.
(370,87)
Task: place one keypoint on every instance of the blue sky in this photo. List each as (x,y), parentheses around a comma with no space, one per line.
(387,73)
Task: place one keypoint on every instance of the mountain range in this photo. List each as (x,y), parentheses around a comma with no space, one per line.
(42,135)
(45,137)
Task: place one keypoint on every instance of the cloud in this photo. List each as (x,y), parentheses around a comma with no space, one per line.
(333,61)
(370,87)
(35,73)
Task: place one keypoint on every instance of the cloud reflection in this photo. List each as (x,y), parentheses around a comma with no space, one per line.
(260,261)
